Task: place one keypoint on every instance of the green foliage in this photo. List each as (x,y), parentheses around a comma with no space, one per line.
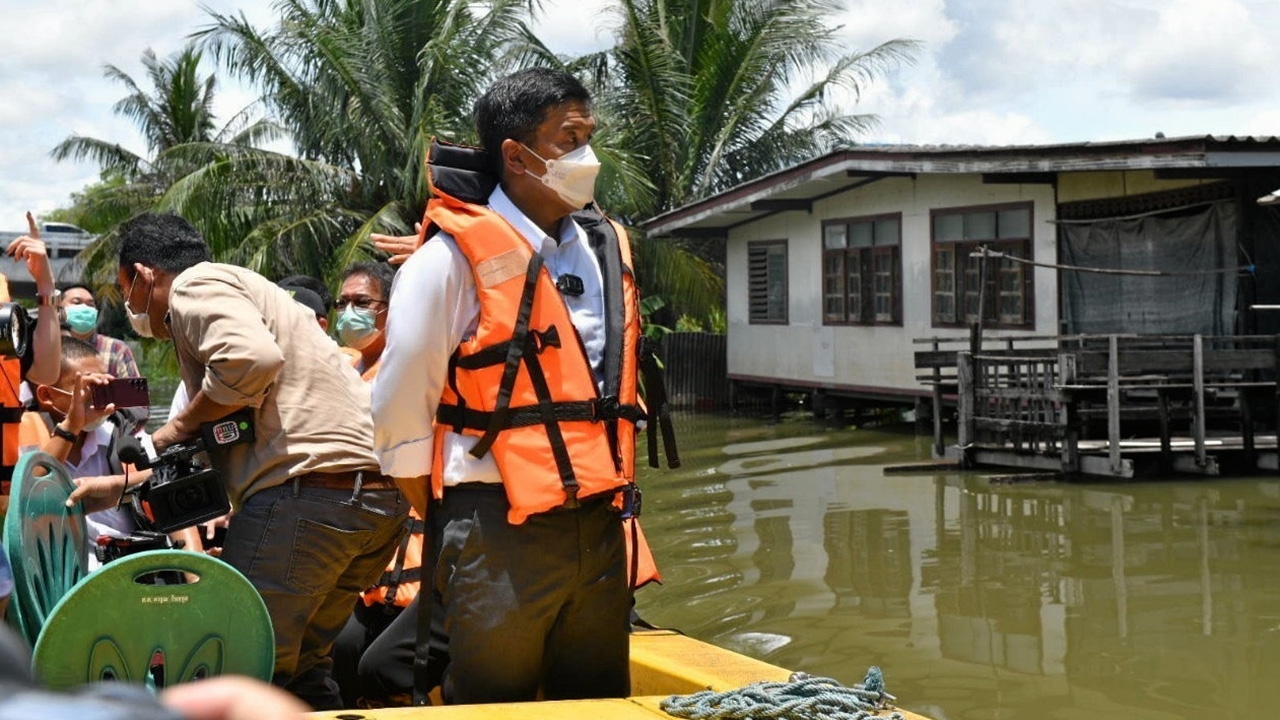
(360,87)
(704,90)
(717,322)
(688,323)
(649,306)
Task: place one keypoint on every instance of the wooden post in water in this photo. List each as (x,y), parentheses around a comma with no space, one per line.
(1113,403)
(1118,575)
(1197,399)
(938,449)
(1069,418)
(965,380)
(1166,441)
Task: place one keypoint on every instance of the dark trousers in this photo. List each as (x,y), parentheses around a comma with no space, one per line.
(544,604)
(309,552)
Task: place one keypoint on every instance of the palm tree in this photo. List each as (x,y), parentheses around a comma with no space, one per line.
(705,89)
(360,87)
(703,95)
(175,118)
(178,110)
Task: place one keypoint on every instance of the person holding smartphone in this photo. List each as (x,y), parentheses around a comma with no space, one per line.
(78,432)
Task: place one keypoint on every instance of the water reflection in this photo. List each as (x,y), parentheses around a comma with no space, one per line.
(1155,600)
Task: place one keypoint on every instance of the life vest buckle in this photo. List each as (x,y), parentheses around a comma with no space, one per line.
(631,501)
(605,408)
(571,497)
(545,339)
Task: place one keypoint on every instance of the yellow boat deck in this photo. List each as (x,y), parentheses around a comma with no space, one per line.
(662,663)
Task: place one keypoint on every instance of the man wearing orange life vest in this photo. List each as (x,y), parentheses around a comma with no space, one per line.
(43,361)
(507,399)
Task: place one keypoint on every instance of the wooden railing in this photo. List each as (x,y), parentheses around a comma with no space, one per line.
(1036,395)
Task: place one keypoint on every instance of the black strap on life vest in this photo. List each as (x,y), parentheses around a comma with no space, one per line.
(391,579)
(655,395)
(511,364)
(606,409)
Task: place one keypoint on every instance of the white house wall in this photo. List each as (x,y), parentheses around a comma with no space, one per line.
(870,358)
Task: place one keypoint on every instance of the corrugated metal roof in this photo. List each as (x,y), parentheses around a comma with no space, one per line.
(846,168)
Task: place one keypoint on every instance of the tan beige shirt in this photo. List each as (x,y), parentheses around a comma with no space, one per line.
(244,341)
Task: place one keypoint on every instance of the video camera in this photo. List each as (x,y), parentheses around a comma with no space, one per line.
(15,330)
(183,491)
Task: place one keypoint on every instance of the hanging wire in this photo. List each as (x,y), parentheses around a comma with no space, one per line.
(987,252)
(1135,216)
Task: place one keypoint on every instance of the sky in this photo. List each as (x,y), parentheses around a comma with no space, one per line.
(989,72)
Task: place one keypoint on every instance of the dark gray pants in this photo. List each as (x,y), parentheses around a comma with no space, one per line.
(309,552)
(543,604)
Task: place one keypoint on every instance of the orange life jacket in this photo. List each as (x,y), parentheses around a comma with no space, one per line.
(523,383)
(10,405)
(402,579)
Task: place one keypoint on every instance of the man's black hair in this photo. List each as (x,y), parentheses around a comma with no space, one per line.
(381,273)
(514,106)
(312,284)
(73,349)
(82,286)
(165,241)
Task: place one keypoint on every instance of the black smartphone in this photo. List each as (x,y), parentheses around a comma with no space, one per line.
(123,392)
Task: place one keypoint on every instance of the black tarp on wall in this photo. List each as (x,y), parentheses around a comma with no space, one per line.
(1201,240)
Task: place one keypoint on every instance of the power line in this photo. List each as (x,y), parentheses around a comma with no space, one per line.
(986,252)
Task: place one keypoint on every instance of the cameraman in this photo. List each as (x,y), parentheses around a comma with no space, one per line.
(315,521)
(41,362)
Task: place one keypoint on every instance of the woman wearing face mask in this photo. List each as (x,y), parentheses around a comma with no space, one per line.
(80,312)
(362,314)
(365,653)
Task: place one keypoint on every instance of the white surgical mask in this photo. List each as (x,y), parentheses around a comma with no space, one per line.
(572,176)
(140,322)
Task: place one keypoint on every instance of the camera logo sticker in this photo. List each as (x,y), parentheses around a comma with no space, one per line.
(225,433)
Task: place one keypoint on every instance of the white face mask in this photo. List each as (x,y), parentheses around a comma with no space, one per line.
(572,176)
(140,322)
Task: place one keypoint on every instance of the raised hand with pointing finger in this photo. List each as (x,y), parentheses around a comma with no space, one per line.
(31,249)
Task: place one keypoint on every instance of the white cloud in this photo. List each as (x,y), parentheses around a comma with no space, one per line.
(867,23)
(1204,51)
(576,27)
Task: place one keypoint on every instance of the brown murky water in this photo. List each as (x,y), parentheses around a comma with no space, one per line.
(1153,600)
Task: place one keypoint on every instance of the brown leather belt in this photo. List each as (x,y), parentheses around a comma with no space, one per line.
(369,480)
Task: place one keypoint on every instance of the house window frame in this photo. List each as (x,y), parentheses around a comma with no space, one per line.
(766,245)
(960,278)
(867,274)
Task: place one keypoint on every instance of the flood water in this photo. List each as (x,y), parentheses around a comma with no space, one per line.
(1148,600)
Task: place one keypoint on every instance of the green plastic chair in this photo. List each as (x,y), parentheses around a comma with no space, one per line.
(45,542)
(116,625)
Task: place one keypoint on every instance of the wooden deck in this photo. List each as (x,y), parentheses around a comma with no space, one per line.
(1108,405)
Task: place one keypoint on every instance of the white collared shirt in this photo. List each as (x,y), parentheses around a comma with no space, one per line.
(115,522)
(434,307)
